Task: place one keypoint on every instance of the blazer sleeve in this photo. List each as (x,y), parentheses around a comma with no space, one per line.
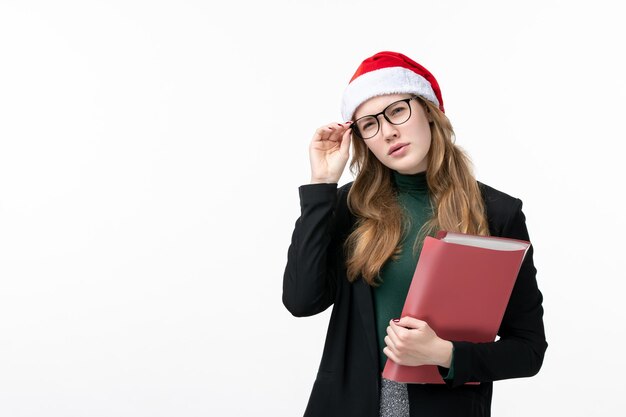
(520,350)
(310,277)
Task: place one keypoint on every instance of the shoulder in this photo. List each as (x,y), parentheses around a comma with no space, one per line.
(502,208)
(498,199)
(342,194)
(342,198)
(344,188)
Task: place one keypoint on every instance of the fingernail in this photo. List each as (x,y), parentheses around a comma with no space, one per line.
(396,320)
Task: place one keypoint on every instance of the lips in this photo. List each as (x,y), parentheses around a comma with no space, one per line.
(396,147)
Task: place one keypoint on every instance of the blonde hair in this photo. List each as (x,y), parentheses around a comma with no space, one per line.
(454,193)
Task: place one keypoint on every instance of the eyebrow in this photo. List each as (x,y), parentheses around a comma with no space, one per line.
(384,107)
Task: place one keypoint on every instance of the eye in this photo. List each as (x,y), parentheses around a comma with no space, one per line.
(397,110)
(367,124)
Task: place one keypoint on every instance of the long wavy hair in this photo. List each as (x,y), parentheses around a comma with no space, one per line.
(454,194)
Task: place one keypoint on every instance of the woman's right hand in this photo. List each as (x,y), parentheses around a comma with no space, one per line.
(329,152)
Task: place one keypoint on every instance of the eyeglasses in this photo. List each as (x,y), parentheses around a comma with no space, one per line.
(396,113)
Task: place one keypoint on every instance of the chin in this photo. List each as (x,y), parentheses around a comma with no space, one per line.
(408,166)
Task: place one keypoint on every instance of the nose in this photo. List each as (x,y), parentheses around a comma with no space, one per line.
(387,129)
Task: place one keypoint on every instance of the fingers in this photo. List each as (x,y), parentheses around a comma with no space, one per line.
(408,345)
(397,334)
(345,142)
(392,339)
(410,322)
(391,355)
(332,132)
(337,130)
(397,330)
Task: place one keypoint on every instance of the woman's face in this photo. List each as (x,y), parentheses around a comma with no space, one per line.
(413,135)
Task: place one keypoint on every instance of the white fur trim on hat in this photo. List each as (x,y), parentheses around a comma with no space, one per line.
(391,80)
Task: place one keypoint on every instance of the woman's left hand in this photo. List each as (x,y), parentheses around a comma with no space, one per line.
(412,342)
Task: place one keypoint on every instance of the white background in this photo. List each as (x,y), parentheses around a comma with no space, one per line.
(150,158)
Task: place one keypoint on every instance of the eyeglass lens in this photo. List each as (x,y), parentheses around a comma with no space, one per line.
(397,113)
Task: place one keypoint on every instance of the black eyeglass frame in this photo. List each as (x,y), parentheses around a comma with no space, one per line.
(354,128)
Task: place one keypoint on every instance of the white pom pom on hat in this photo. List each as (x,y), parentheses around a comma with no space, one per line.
(389,73)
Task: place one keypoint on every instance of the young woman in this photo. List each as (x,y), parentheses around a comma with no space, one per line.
(356,247)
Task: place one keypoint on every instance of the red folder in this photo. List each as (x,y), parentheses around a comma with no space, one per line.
(461,287)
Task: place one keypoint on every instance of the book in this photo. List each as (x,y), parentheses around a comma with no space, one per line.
(461,287)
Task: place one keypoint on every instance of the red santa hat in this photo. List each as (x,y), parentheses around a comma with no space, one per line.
(389,73)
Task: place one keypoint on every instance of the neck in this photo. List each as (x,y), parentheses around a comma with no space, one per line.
(410,182)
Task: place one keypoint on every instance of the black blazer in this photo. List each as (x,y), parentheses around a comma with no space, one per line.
(349,376)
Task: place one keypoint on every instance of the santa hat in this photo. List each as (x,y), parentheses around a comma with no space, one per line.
(389,73)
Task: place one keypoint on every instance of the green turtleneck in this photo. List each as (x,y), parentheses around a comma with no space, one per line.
(396,275)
